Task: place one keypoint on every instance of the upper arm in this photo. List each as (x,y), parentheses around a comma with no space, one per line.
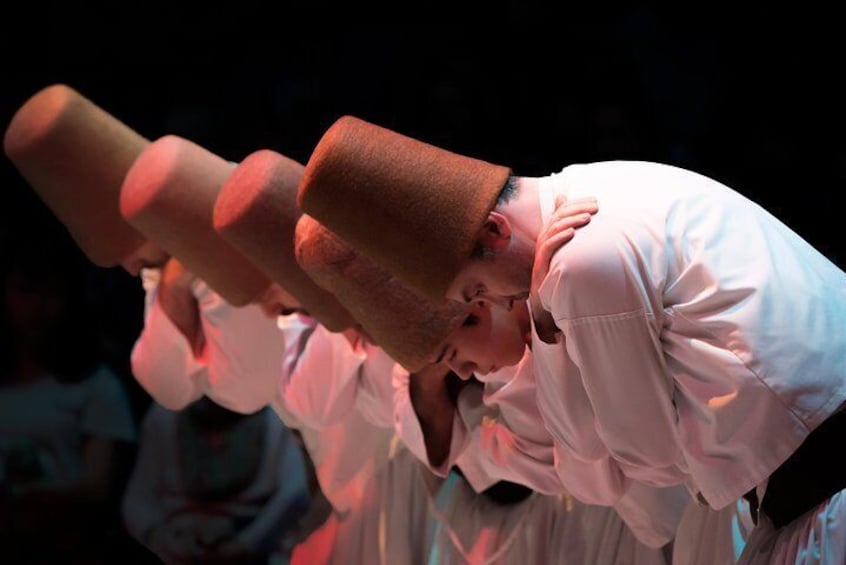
(615,266)
(244,352)
(605,296)
(163,361)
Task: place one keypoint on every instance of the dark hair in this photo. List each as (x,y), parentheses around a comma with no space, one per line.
(507,192)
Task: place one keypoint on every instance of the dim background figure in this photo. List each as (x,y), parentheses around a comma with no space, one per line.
(66,426)
(215,486)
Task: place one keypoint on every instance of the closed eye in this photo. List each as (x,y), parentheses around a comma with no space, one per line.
(441,356)
(478,291)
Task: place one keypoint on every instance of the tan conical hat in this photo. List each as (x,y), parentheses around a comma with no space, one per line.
(169,195)
(256,211)
(74,155)
(414,208)
(409,327)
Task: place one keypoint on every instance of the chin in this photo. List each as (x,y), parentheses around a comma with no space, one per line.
(514,357)
(488,378)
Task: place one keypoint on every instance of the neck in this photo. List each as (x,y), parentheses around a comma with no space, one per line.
(521,317)
(523,209)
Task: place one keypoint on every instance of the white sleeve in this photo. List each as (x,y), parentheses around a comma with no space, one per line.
(598,481)
(584,465)
(375,392)
(243,351)
(508,436)
(320,389)
(653,513)
(162,359)
(600,298)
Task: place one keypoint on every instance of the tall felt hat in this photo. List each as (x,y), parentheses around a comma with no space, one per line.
(409,327)
(256,212)
(414,208)
(169,195)
(75,155)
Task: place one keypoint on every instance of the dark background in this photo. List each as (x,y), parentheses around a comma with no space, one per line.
(753,99)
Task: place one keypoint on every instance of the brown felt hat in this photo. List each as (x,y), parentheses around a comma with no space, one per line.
(256,211)
(409,327)
(74,155)
(414,208)
(169,195)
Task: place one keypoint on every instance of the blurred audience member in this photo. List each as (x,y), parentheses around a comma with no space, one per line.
(65,421)
(215,486)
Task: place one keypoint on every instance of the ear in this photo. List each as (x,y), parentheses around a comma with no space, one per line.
(495,233)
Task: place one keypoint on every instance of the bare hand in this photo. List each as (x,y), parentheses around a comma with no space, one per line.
(561,228)
(356,336)
(179,303)
(177,542)
(176,276)
(232,549)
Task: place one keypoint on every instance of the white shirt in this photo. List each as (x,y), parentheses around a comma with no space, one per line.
(333,377)
(702,339)
(347,399)
(238,366)
(498,434)
(319,393)
(246,363)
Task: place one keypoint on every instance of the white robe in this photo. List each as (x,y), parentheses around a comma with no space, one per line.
(347,400)
(702,340)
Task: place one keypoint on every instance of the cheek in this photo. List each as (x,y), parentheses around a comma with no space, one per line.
(470,346)
(510,348)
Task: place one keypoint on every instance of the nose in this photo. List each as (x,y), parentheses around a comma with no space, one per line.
(464,369)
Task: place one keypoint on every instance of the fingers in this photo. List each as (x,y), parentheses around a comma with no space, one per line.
(551,244)
(562,200)
(567,222)
(587,206)
(555,241)
(569,215)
